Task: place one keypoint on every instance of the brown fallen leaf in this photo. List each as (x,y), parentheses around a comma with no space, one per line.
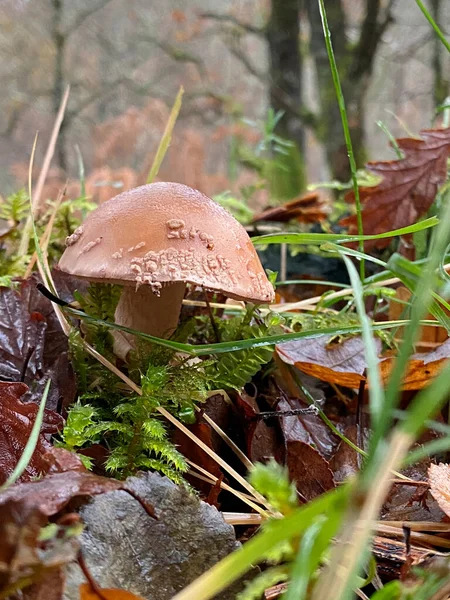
(52,493)
(309,208)
(439,480)
(307,428)
(422,367)
(310,471)
(408,187)
(16,422)
(88,593)
(25,558)
(342,363)
(429,337)
(33,347)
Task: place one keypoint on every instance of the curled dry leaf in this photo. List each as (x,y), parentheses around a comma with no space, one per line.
(309,208)
(439,480)
(408,187)
(422,367)
(16,422)
(341,363)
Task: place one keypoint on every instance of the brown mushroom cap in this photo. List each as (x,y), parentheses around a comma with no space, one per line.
(165,233)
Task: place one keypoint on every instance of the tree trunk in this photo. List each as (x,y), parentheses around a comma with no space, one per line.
(285,88)
(59,42)
(440,86)
(354,86)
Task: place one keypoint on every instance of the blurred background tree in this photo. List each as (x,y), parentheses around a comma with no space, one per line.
(236,59)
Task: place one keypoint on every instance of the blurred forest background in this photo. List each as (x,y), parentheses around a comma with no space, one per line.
(237,59)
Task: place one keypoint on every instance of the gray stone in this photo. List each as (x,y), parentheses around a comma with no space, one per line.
(125,548)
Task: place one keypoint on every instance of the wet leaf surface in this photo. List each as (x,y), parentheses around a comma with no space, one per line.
(310,471)
(408,187)
(25,558)
(339,363)
(16,422)
(307,428)
(33,347)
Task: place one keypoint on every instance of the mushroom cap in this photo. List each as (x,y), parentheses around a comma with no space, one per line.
(165,233)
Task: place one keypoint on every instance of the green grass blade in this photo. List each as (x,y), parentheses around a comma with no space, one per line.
(321,238)
(166,138)
(420,306)
(330,247)
(30,446)
(234,346)
(236,564)
(433,24)
(376,392)
(345,126)
(312,547)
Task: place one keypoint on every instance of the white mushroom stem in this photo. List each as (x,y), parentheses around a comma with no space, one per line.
(144,311)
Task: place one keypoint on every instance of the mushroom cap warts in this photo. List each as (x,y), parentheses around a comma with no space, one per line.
(164,233)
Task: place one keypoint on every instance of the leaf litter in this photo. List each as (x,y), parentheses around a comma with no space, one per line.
(120,515)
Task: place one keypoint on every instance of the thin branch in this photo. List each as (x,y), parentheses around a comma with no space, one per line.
(234,21)
(81,18)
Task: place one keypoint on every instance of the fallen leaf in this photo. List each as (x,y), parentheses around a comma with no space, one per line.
(429,336)
(53,492)
(125,549)
(422,367)
(344,463)
(310,471)
(262,440)
(408,187)
(307,428)
(24,557)
(87,593)
(193,452)
(309,208)
(340,363)
(33,347)
(16,422)
(439,480)
(48,587)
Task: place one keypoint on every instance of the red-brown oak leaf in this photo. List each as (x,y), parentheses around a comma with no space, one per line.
(408,187)
(16,422)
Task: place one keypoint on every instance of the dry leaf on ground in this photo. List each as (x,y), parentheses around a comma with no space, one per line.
(309,208)
(87,593)
(408,187)
(16,422)
(340,363)
(439,480)
(310,471)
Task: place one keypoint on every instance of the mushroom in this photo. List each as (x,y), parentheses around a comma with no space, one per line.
(153,240)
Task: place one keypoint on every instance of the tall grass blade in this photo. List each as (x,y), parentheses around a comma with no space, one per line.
(236,564)
(166,138)
(321,238)
(433,24)
(345,126)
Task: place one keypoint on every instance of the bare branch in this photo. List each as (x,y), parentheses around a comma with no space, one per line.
(81,18)
(173,52)
(372,30)
(232,20)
